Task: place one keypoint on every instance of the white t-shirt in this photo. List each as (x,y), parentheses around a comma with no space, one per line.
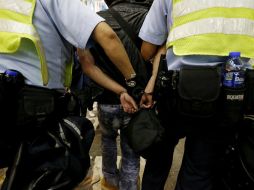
(73,20)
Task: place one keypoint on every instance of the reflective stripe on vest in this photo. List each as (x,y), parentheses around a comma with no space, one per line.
(16,23)
(193,6)
(212,27)
(17,27)
(22,7)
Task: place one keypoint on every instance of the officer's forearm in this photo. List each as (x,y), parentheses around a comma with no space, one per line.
(156,61)
(148,50)
(113,48)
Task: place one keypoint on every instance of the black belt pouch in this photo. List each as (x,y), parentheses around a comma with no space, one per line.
(34,105)
(198,91)
(249,93)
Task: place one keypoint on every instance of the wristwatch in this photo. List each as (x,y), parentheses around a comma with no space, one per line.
(131,82)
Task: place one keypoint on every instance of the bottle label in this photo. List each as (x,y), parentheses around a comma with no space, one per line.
(234,79)
(238,79)
(228,78)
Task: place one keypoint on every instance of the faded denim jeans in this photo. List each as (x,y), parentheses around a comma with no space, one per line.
(112,119)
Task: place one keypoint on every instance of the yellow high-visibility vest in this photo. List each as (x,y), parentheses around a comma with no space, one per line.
(212,27)
(16,23)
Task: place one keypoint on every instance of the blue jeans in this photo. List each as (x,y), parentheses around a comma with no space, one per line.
(112,118)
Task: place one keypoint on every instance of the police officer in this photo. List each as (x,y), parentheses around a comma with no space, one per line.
(42,61)
(197,34)
(37,38)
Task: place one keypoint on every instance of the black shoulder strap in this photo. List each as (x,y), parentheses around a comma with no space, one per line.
(124,25)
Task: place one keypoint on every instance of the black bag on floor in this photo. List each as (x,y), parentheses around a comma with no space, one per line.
(56,159)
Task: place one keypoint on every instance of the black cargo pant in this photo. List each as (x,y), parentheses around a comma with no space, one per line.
(205,144)
(8,134)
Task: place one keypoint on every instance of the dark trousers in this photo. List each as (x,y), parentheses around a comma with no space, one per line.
(204,148)
(199,169)
(200,165)
(159,162)
(158,165)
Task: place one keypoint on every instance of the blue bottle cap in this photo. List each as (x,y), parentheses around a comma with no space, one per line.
(11,73)
(234,54)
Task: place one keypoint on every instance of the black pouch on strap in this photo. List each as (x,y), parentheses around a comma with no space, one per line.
(198,91)
(35,104)
(249,93)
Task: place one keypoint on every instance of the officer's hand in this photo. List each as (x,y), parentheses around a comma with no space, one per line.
(146,100)
(129,105)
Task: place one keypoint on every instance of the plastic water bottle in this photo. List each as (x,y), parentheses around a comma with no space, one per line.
(234,70)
